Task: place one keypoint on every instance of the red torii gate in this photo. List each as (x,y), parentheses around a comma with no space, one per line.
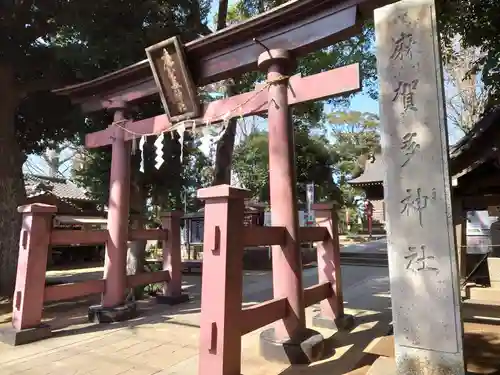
(339,81)
(287,263)
(302,27)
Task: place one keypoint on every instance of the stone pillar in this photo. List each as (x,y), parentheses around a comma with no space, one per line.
(423,268)
(222,280)
(331,314)
(30,280)
(114,307)
(289,340)
(172,259)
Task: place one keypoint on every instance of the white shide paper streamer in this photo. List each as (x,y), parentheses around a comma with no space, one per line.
(141,148)
(159,151)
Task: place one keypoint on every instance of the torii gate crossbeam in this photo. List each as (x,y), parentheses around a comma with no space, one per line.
(340,81)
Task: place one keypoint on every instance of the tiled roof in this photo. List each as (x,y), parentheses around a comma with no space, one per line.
(487,121)
(59,187)
(373,173)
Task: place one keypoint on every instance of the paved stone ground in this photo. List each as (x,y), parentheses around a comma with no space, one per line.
(164,340)
(371,247)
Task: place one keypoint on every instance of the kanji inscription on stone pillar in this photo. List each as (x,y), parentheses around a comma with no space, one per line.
(422,259)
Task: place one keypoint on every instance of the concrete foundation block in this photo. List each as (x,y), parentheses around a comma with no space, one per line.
(11,336)
(308,348)
(101,314)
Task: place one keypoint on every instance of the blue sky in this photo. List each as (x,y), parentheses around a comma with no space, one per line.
(363,103)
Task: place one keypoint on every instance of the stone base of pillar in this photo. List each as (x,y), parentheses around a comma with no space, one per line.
(11,336)
(301,351)
(101,314)
(344,323)
(172,300)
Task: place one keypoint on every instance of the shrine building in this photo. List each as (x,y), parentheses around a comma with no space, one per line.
(371,181)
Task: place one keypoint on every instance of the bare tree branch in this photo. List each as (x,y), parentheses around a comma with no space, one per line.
(466,96)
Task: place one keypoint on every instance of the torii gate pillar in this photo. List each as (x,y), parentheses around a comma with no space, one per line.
(114,307)
(288,340)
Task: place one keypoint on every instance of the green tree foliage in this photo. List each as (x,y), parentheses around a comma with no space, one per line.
(251,164)
(44,45)
(476,21)
(355,137)
(50,44)
(314,161)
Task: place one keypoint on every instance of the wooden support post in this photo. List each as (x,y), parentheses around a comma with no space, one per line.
(331,309)
(114,307)
(460,223)
(172,259)
(289,341)
(30,280)
(222,280)
(287,260)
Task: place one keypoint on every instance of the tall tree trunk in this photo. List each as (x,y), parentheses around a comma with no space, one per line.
(175,167)
(225,147)
(12,192)
(136,253)
(224,155)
